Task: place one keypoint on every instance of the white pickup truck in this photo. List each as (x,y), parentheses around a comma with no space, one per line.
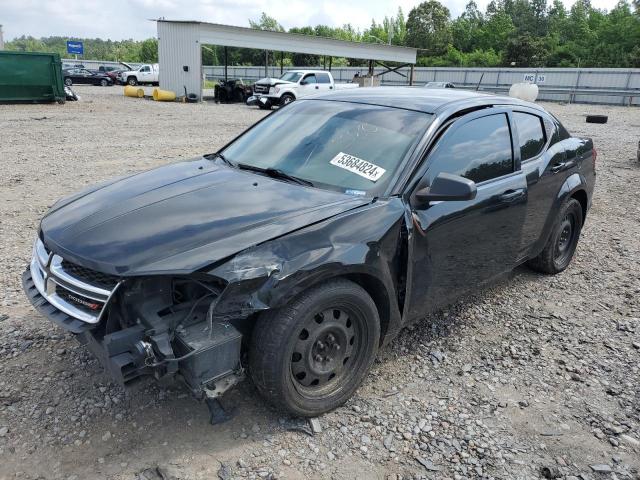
(294,84)
(147,73)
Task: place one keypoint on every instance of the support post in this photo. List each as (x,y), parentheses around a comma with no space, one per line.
(626,87)
(330,59)
(281,63)
(226,62)
(411,76)
(371,68)
(572,97)
(266,63)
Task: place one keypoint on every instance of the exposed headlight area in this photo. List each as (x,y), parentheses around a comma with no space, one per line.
(156,325)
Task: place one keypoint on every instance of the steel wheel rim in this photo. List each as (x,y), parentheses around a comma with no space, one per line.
(565,240)
(326,352)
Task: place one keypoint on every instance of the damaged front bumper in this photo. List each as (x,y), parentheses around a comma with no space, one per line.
(139,338)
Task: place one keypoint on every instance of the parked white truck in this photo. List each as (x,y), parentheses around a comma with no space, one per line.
(147,73)
(294,84)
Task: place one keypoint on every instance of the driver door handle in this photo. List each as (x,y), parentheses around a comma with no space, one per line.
(557,167)
(512,195)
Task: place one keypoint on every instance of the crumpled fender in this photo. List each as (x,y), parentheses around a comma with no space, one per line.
(362,244)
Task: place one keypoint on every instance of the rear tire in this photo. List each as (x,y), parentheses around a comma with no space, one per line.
(133,81)
(104,83)
(68,82)
(562,243)
(310,356)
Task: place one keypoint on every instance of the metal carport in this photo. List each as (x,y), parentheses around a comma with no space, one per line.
(180,56)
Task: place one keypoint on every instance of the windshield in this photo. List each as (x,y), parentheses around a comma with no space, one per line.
(349,147)
(291,76)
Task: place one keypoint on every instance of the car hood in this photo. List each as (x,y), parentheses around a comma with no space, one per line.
(272,82)
(182,217)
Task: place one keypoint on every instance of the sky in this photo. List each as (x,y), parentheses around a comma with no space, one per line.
(123,19)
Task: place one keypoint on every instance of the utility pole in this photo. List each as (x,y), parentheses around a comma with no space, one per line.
(1,39)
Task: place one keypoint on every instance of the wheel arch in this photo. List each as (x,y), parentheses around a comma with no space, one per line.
(581,195)
(574,186)
(380,293)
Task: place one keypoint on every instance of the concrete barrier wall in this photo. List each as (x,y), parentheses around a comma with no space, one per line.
(614,86)
(580,85)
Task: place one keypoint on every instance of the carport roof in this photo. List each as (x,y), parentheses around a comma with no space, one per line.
(232,36)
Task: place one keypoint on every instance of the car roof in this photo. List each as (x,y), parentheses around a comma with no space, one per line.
(419,98)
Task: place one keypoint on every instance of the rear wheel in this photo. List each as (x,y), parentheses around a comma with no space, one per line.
(133,81)
(310,356)
(562,243)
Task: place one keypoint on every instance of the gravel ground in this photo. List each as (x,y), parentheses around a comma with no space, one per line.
(535,373)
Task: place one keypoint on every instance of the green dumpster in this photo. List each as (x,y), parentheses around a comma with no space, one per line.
(31,77)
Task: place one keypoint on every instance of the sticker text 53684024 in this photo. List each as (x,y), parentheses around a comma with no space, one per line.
(358,166)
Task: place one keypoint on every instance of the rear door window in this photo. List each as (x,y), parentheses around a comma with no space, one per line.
(323,78)
(479,150)
(530,134)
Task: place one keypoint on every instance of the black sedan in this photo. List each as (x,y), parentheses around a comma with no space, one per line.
(85,76)
(296,260)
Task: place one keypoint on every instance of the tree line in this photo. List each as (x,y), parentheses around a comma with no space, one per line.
(521,33)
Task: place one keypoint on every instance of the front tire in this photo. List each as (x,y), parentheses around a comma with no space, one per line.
(133,81)
(310,356)
(104,83)
(286,99)
(68,82)
(562,243)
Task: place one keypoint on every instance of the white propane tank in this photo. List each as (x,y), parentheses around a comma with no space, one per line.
(524,91)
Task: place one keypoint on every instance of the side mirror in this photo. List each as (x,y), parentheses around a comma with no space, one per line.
(445,187)
(303,82)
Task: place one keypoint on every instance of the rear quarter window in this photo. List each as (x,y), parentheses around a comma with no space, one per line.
(531,135)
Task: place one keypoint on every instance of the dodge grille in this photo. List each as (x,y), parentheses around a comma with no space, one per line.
(79,292)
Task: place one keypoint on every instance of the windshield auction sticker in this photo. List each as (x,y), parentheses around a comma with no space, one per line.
(358,166)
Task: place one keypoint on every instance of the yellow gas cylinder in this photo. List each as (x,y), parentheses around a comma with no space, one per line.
(163,95)
(130,91)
